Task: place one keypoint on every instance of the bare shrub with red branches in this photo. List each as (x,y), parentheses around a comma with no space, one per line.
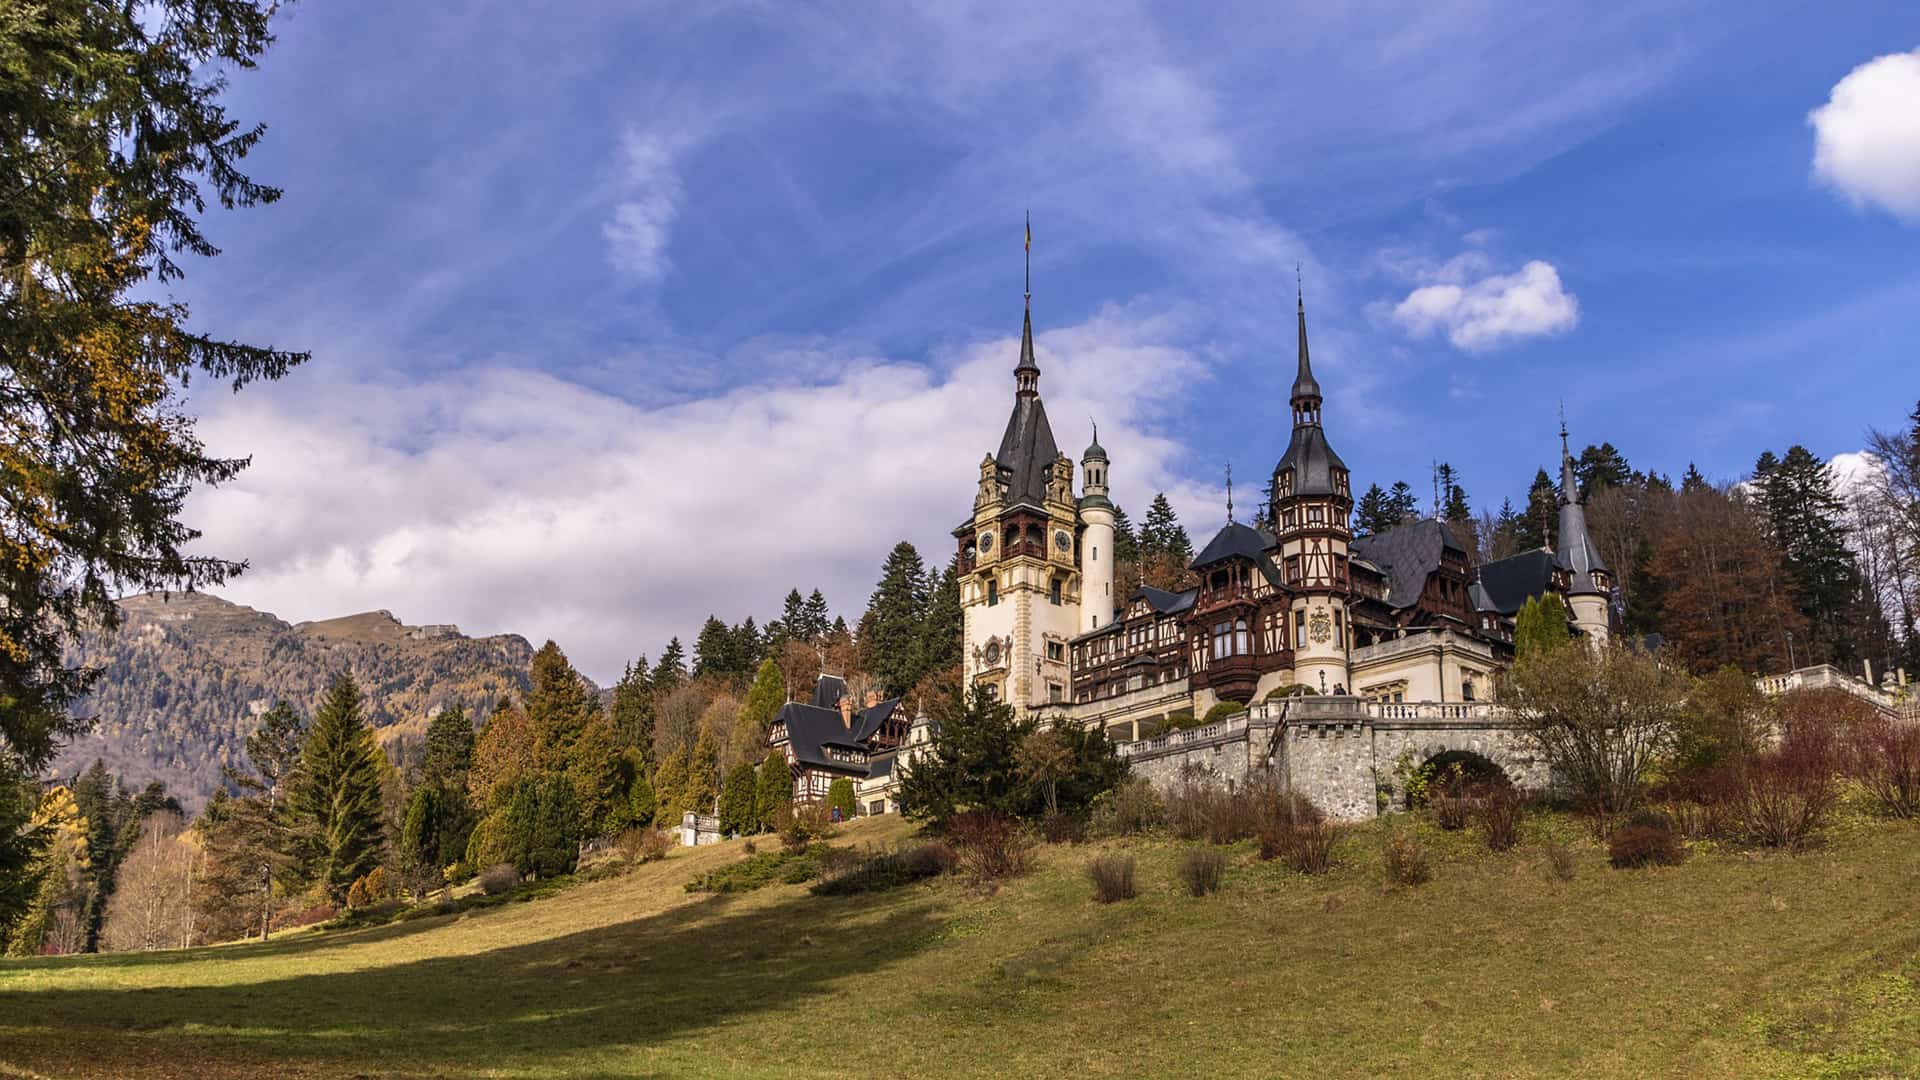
(1884,756)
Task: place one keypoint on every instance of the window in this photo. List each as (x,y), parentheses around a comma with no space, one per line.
(1231,639)
(1339,629)
(1299,626)
(1313,515)
(1056,693)
(1466,689)
(1053,591)
(1293,569)
(1290,517)
(1242,645)
(992,691)
(993,592)
(1056,651)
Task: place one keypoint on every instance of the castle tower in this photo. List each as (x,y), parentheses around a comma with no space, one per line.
(1021,586)
(1096,540)
(1590,592)
(1312,504)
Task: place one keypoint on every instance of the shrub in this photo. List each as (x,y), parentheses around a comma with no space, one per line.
(1201,870)
(800,824)
(1223,710)
(357,894)
(1131,808)
(840,797)
(1060,827)
(1500,810)
(1305,845)
(878,871)
(1647,838)
(761,870)
(495,880)
(1884,756)
(379,884)
(1198,808)
(1406,861)
(1784,797)
(643,845)
(992,846)
(931,859)
(1560,861)
(1112,877)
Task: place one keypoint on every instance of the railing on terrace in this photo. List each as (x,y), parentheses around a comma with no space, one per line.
(1309,710)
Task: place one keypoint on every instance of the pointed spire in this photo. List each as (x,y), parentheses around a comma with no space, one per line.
(1306,389)
(1569,485)
(1026,374)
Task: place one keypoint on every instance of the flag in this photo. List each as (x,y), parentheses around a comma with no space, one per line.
(1029,236)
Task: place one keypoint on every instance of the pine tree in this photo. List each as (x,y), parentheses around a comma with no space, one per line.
(449,753)
(772,788)
(940,635)
(1372,515)
(1806,521)
(669,789)
(739,814)
(1534,529)
(631,709)
(671,671)
(1126,543)
(1402,505)
(817,623)
(560,703)
(1600,467)
(258,839)
(762,703)
(748,647)
(599,781)
(116,134)
(791,625)
(894,636)
(541,826)
(714,649)
(339,787)
(1162,535)
(703,775)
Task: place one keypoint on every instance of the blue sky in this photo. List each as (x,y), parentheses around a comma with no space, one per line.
(624,313)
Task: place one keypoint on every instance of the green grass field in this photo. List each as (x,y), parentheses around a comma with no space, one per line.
(1729,965)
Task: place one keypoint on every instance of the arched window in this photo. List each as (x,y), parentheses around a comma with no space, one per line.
(1242,646)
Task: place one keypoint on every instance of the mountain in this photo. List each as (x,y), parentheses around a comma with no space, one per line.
(187,675)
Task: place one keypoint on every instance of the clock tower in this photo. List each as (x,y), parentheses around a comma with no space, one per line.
(1312,505)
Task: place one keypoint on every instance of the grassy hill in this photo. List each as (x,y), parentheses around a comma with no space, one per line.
(188,674)
(1730,965)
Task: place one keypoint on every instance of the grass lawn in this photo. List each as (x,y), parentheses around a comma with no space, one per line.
(1730,965)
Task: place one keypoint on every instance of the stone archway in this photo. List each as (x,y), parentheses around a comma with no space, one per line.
(1453,765)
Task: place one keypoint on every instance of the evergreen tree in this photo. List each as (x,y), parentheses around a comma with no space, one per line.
(818,623)
(1600,467)
(763,701)
(642,806)
(1162,535)
(259,839)
(502,753)
(940,636)
(541,826)
(560,703)
(1126,543)
(1540,625)
(1453,508)
(703,775)
(772,788)
(748,647)
(1691,482)
(894,637)
(113,137)
(739,815)
(671,671)
(840,797)
(669,789)
(1402,505)
(1373,515)
(1806,521)
(1534,529)
(1505,540)
(791,625)
(339,787)
(449,753)
(632,707)
(714,649)
(600,780)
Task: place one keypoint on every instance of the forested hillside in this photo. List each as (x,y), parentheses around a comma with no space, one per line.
(187,675)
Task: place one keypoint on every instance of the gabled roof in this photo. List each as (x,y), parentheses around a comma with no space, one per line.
(1408,554)
(811,728)
(1163,602)
(828,690)
(1507,583)
(1234,541)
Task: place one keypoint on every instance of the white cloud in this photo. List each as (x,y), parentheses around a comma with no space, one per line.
(642,223)
(1853,471)
(1492,311)
(509,500)
(1866,138)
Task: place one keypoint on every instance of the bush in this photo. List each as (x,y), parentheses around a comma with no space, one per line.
(1648,838)
(1112,877)
(758,871)
(643,845)
(1223,710)
(1305,845)
(1406,861)
(1201,870)
(357,897)
(1786,796)
(1884,756)
(800,824)
(1061,827)
(495,880)
(1198,808)
(1500,810)
(1560,861)
(840,797)
(992,846)
(887,870)
(379,884)
(1131,808)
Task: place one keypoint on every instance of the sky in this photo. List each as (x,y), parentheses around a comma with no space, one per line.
(623,314)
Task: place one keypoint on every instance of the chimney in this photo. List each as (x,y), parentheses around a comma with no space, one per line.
(846,711)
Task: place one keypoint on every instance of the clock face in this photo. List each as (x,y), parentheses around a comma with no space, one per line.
(1062,541)
(986,541)
(993,652)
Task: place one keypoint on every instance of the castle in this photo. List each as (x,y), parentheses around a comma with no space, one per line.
(1303,606)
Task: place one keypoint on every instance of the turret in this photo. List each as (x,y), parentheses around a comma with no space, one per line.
(1096,538)
(1312,504)
(1590,588)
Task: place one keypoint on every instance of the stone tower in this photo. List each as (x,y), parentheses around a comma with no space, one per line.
(1097,601)
(1312,504)
(1590,590)
(1021,585)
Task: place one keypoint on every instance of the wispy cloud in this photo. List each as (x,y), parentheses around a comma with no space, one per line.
(642,223)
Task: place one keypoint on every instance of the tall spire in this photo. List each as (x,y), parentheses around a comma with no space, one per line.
(1229,492)
(1026,375)
(1306,389)
(1569,484)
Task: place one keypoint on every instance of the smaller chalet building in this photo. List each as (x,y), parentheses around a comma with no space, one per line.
(827,738)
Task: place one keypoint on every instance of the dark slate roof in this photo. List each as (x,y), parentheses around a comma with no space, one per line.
(810,728)
(1312,460)
(1162,601)
(1508,583)
(1234,541)
(1408,554)
(1304,384)
(1095,452)
(828,691)
(1027,451)
(880,765)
